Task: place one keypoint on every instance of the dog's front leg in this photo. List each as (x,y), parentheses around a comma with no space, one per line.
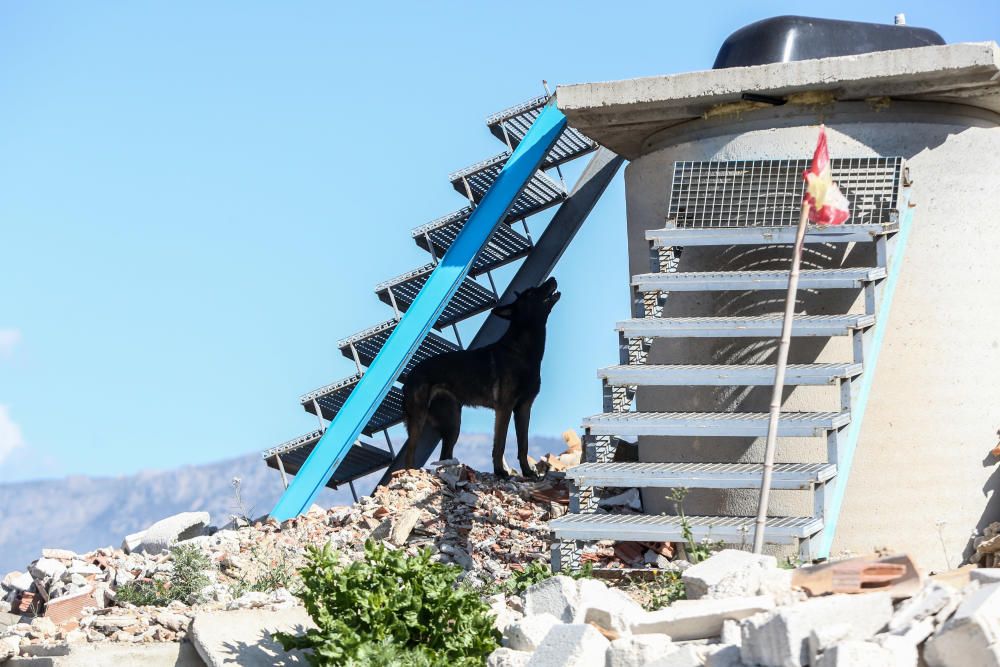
(500,425)
(522,416)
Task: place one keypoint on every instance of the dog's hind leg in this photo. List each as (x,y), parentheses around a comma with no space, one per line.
(446,414)
(522,416)
(415,412)
(501,423)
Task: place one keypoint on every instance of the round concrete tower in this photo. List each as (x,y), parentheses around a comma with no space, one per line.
(922,478)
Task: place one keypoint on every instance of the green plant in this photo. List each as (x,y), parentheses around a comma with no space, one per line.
(269,573)
(537,571)
(185,581)
(696,551)
(666,588)
(142,593)
(390,609)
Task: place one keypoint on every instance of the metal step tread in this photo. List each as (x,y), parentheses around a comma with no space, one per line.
(672,236)
(510,126)
(505,245)
(367,343)
(333,396)
(664,528)
(743,326)
(538,194)
(700,475)
(749,424)
(664,375)
(756,280)
(470,299)
(361,459)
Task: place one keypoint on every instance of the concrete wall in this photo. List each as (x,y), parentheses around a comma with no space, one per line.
(935,408)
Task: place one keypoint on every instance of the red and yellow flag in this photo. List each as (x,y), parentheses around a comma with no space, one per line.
(827,205)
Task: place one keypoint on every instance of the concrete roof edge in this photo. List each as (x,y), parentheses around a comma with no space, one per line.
(817,74)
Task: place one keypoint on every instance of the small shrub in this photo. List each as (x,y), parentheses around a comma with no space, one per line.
(143,593)
(390,609)
(184,583)
(666,588)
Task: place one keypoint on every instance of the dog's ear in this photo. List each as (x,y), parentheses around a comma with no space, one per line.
(504,312)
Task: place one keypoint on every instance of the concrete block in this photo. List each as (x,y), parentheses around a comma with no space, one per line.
(903,651)
(527,634)
(855,653)
(49,568)
(131,542)
(985,575)
(607,607)
(157,654)
(506,657)
(18,581)
(780,638)
(638,650)
(166,532)
(685,656)
(402,526)
(972,635)
(245,637)
(10,646)
(572,645)
(503,614)
(930,600)
(728,573)
(559,596)
(731,633)
(700,619)
(726,655)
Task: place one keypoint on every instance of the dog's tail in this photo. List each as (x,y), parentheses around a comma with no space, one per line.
(416,403)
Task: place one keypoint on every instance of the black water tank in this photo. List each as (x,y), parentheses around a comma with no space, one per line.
(785,38)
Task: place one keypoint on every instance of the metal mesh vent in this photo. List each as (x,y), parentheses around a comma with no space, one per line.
(767,193)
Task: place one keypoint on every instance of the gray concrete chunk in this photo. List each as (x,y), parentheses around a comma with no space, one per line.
(855,653)
(506,657)
(639,650)
(244,637)
(573,645)
(700,619)
(781,638)
(166,532)
(728,573)
(527,633)
(971,636)
(559,596)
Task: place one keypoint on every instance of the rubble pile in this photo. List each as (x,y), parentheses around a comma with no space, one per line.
(489,526)
(742,610)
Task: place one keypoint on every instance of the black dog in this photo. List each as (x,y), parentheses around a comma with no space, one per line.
(505,376)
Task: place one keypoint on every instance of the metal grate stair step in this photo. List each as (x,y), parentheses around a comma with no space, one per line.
(796,476)
(540,192)
(664,375)
(756,280)
(759,326)
(510,126)
(367,343)
(504,246)
(741,424)
(646,528)
(708,236)
(332,397)
(470,299)
(361,459)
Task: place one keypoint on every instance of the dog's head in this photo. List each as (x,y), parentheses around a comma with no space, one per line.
(532,304)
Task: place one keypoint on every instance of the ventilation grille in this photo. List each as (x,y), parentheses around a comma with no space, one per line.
(768,193)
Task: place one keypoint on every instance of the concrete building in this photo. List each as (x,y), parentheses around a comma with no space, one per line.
(922,479)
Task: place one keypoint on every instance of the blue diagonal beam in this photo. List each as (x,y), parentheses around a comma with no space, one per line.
(442,284)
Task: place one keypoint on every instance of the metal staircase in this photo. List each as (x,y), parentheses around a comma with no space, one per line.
(727,209)
(508,243)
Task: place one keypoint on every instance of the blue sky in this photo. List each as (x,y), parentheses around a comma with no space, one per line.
(198,198)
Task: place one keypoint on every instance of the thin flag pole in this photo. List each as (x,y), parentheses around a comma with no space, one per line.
(779,382)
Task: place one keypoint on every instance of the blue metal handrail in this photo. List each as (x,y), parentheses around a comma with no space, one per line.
(425,310)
